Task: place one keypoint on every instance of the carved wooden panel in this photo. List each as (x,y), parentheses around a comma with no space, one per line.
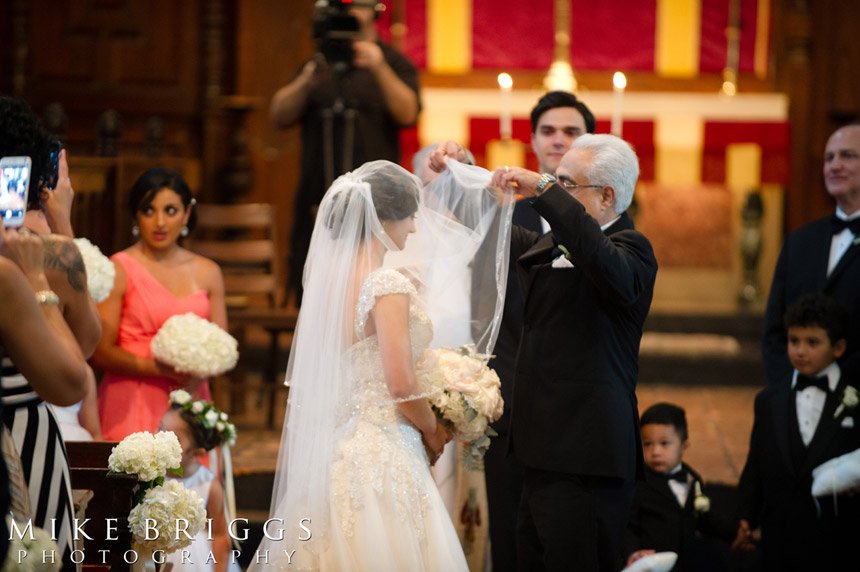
(130,55)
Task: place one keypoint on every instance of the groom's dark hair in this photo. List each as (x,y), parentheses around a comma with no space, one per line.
(666,414)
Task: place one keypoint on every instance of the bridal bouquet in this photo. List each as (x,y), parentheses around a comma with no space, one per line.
(154,522)
(195,346)
(465,394)
(146,455)
(100,270)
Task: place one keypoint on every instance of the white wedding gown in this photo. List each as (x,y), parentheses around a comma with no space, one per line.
(386,512)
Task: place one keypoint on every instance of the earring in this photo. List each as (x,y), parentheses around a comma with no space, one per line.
(135,231)
(184,231)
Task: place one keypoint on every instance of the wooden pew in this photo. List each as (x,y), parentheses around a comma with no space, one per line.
(112,498)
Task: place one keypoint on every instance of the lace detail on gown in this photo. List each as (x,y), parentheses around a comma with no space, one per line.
(378,450)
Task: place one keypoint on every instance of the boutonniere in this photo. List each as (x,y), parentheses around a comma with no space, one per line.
(564,251)
(850,399)
(701,503)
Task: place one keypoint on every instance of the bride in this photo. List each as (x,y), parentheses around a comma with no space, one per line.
(354,489)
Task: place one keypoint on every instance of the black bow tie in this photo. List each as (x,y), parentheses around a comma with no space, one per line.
(837,225)
(680,476)
(804,381)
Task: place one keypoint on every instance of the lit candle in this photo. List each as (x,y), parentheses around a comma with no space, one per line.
(505,83)
(619,82)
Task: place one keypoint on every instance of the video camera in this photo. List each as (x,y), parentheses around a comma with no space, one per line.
(335,28)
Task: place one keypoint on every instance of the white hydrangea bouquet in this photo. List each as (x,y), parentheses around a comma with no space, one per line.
(207,414)
(193,345)
(148,456)
(158,504)
(26,551)
(100,270)
(154,521)
(465,394)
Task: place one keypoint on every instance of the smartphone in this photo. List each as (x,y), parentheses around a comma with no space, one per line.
(14,185)
(49,179)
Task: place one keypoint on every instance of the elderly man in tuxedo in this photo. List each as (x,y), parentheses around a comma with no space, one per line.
(557,119)
(823,256)
(587,289)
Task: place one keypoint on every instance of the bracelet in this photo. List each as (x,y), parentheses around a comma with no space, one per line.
(47,297)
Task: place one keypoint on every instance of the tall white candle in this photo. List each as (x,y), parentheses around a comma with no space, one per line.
(619,83)
(506,82)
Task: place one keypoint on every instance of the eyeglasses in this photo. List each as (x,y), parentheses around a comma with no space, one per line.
(574,187)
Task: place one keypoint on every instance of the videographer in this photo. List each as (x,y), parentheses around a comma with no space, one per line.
(351,99)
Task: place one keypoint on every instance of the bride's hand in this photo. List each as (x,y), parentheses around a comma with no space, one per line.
(436,441)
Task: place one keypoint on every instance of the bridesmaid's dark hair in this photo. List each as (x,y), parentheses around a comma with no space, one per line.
(151,182)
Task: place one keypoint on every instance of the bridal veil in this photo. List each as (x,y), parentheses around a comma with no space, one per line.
(457,259)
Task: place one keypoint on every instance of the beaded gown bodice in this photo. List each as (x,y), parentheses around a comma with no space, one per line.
(371,395)
(379,449)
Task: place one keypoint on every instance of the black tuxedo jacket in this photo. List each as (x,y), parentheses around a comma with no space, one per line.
(658,522)
(775,486)
(574,406)
(802,269)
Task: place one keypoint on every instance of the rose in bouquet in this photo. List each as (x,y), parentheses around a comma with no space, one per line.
(164,510)
(195,346)
(465,394)
(146,455)
(100,270)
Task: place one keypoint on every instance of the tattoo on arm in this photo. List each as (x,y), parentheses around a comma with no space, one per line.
(64,256)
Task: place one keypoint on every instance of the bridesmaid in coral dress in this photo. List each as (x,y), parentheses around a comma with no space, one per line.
(155,279)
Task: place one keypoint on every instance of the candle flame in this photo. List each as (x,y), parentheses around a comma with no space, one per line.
(619,80)
(505,81)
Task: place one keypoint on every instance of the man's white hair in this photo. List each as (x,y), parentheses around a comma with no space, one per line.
(613,164)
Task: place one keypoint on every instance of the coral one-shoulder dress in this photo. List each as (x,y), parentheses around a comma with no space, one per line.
(130,403)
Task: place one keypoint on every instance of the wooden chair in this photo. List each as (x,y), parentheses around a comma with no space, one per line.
(243,240)
(112,497)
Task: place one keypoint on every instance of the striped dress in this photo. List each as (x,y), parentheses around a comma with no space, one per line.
(36,435)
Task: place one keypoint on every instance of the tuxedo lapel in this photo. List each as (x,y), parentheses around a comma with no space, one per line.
(820,255)
(661,485)
(781,407)
(850,257)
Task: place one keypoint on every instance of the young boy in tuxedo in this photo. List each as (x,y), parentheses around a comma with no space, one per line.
(670,510)
(800,424)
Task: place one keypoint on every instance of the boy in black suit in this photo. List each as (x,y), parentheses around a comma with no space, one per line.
(670,510)
(798,426)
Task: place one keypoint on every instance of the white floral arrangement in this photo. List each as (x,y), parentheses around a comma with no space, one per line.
(162,508)
(701,503)
(850,400)
(465,394)
(146,455)
(206,414)
(100,270)
(33,546)
(193,345)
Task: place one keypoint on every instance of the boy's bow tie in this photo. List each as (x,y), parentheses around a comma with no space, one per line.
(680,476)
(804,381)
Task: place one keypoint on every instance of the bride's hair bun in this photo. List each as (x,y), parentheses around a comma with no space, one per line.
(393,190)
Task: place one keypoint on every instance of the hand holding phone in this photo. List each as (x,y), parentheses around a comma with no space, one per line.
(14,189)
(57,203)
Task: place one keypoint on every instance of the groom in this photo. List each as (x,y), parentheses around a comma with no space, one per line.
(587,288)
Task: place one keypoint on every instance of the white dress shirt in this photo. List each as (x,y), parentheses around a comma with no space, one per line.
(679,489)
(810,402)
(840,242)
